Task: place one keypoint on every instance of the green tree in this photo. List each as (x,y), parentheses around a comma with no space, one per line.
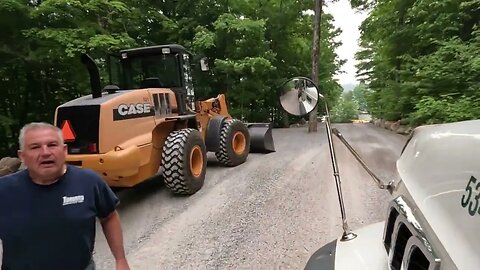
(418,51)
(253,46)
(280,36)
(360,93)
(345,110)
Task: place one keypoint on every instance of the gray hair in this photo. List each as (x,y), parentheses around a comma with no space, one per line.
(37,125)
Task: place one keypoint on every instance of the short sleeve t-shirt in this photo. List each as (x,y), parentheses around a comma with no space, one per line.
(52,226)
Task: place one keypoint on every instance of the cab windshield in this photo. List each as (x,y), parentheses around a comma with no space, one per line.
(145,71)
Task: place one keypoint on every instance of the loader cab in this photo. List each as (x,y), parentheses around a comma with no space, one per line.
(163,66)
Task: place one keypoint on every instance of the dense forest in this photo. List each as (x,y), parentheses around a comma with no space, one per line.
(419,59)
(252,47)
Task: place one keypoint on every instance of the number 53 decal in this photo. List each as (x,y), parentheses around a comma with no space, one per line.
(467,200)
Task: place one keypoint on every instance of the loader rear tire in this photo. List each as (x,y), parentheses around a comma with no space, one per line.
(184,161)
(234,143)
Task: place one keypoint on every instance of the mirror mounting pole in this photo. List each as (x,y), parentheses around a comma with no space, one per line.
(390,187)
(347,233)
(297,97)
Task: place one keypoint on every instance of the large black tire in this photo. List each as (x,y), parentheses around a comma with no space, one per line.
(184,161)
(234,143)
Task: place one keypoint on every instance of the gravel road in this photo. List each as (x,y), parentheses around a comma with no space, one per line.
(271,212)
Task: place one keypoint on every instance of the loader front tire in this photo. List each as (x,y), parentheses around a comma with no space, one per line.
(184,161)
(234,143)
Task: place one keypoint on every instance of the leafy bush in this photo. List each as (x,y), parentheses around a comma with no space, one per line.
(344,111)
(445,109)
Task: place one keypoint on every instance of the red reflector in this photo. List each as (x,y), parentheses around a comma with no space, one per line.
(67,131)
(92,147)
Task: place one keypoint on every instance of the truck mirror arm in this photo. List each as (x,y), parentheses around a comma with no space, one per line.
(347,233)
(390,187)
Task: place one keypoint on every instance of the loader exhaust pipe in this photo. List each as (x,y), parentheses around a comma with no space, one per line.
(94,75)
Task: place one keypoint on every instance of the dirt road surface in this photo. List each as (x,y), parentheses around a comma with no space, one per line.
(271,212)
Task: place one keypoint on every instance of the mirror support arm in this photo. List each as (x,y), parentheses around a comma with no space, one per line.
(291,95)
(347,234)
(389,187)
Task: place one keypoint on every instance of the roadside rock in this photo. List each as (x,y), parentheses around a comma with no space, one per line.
(405,130)
(301,123)
(393,126)
(388,125)
(9,165)
(379,123)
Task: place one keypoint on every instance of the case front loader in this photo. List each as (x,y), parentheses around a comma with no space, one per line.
(147,120)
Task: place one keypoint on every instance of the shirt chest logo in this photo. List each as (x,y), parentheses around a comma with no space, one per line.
(73,200)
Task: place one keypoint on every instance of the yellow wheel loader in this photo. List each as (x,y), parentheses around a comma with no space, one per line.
(147,121)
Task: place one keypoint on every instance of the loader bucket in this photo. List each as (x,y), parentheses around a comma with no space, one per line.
(261,140)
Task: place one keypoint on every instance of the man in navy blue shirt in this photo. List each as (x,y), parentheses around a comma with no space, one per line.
(48,211)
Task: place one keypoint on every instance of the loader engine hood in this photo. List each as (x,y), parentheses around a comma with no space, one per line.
(440,167)
(98,125)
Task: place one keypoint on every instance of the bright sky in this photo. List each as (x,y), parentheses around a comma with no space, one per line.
(348,20)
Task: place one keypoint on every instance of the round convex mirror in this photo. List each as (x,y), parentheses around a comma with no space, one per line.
(299,96)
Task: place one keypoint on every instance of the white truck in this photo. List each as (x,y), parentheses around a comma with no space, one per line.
(433,220)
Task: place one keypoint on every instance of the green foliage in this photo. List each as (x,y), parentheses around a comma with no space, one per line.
(445,109)
(345,110)
(204,39)
(360,93)
(363,4)
(252,47)
(415,54)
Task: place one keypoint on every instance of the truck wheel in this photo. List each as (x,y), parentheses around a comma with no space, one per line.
(234,143)
(184,161)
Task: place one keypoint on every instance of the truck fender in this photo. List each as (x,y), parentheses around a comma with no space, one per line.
(324,258)
(365,252)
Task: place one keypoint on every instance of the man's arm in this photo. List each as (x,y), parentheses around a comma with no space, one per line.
(113,233)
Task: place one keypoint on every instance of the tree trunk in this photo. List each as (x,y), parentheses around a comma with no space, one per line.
(312,123)
(285,122)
